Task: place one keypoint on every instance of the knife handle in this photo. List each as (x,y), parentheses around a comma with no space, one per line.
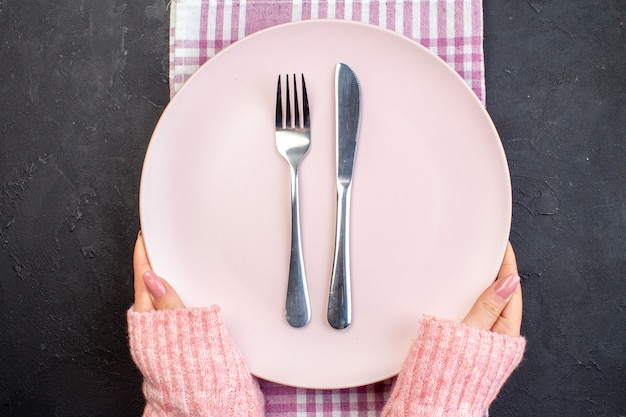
(340,299)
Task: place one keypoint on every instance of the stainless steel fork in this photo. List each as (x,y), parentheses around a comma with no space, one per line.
(293,142)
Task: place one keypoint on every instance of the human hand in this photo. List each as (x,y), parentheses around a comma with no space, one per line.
(151,292)
(499,307)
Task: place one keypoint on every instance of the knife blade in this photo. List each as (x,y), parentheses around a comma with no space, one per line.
(347,122)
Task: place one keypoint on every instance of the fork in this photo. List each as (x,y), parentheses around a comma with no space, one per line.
(293,142)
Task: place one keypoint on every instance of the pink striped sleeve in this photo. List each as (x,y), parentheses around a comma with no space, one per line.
(453,370)
(190,365)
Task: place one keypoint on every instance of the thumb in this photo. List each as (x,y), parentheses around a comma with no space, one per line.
(487,309)
(164,297)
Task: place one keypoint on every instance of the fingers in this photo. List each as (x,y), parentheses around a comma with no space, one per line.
(163,295)
(509,263)
(143,301)
(510,319)
(499,307)
(151,291)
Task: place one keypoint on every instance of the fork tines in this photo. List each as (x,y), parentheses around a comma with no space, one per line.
(287,122)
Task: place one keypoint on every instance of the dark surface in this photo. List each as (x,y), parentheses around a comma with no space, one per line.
(82,85)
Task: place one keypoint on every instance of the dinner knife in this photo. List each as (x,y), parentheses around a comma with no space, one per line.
(347,120)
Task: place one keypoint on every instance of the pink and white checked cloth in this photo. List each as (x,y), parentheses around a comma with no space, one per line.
(451,29)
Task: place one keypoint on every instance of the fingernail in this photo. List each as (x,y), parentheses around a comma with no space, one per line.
(506,286)
(139,233)
(154,284)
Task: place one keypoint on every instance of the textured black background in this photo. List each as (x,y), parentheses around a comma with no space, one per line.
(82,85)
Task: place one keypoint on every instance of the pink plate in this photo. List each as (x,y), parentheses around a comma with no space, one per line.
(431,202)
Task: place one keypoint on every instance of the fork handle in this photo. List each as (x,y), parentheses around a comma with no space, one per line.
(297,306)
(340,299)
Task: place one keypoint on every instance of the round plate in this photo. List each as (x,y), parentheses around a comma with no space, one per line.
(431,199)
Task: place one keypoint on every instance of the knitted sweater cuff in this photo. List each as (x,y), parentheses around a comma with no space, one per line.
(453,370)
(191,366)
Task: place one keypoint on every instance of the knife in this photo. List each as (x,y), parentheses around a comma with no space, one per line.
(347,120)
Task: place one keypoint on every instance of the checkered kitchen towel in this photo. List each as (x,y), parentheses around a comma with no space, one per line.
(451,29)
